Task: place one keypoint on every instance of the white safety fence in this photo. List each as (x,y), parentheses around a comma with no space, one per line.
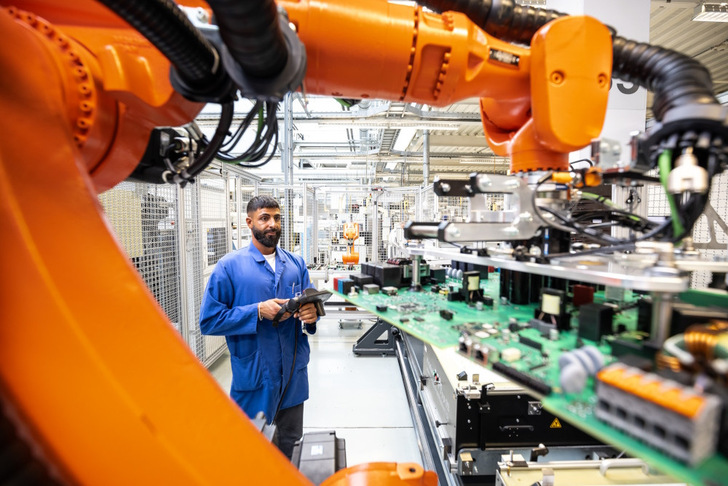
(175,236)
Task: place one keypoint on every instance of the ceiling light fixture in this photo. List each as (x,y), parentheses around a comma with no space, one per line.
(393,124)
(404,138)
(711,12)
(488,159)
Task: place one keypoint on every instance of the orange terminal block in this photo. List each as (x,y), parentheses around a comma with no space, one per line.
(351,233)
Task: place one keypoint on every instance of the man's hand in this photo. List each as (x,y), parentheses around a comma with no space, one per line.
(307,313)
(269,308)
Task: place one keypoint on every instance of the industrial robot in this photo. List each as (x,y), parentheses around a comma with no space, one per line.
(96,386)
(351,233)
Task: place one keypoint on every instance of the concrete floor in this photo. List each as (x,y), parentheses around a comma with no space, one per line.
(360,397)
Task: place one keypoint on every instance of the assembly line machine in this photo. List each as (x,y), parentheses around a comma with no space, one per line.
(598,331)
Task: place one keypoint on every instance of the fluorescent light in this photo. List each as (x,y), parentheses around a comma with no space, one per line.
(711,12)
(395,124)
(404,138)
(487,159)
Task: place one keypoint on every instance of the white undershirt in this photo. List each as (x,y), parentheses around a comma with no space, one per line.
(271,259)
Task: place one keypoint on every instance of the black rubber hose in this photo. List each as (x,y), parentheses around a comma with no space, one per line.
(674,78)
(167,27)
(252,34)
(503,19)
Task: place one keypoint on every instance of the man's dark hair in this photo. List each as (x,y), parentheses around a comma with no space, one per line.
(262,202)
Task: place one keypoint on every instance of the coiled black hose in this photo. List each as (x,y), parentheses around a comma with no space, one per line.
(674,78)
(167,27)
(252,33)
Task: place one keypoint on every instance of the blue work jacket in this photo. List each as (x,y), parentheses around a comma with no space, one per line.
(261,355)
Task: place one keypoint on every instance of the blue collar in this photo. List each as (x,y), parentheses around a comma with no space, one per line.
(257,255)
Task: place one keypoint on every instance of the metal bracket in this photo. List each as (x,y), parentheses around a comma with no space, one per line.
(713,219)
(520,222)
(369,343)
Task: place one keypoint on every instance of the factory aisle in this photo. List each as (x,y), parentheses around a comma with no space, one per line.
(361,397)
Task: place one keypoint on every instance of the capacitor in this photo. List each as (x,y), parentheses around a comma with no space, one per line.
(577,365)
(506,334)
(553,334)
(588,357)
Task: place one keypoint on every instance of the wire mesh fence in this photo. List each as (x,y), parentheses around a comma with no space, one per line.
(143,217)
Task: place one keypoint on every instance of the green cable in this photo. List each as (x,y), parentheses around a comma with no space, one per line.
(605,200)
(664,163)
(343,102)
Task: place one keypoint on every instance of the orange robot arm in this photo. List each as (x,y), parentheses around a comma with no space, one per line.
(537,104)
(81,92)
(93,377)
(351,233)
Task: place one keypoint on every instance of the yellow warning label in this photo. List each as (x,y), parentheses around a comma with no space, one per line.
(555,424)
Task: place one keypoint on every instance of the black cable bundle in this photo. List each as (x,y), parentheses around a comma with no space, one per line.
(266,138)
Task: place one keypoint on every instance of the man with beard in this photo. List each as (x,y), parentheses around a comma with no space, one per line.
(245,292)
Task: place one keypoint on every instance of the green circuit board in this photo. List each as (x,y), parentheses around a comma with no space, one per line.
(418,313)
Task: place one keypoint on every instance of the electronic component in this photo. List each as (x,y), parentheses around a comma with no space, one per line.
(345,285)
(615,294)
(572,379)
(465,344)
(470,267)
(583,294)
(446,314)
(382,308)
(531,343)
(438,275)
(553,309)
(453,296)
(367,268)
(638,362)
(480,354)
(418,319)
(388,275)
(543,327)
(520,288)
(553,302)
(576,365)
(390,290)
(360,280)
(404,319)
(595,321)
(629,344)
(644,315)
(522,378)
(671,417)
(471,291)
(371,289)
(553,334)
(685,315)
(509,355)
